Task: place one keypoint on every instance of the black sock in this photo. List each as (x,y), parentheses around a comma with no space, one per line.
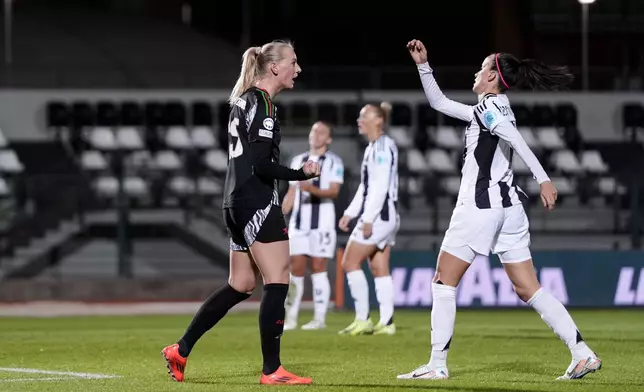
(271,324)
(209,314)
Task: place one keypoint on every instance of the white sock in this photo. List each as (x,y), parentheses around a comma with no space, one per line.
(360,293)
(321,295)
(293,309)
(558,319)
(443,317)
(385,296)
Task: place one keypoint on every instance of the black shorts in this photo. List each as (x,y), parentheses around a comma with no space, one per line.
(245,226)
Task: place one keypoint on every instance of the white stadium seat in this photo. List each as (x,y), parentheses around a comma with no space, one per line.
(133,186)
(178,138)
(181,185)
(518,166)
(93,160)
(106,186)
(167,160)
(400,136)
(209,186)
(216,160)
(203,137)
(564,185)
(529,138)
(129,138)
(452,185)
(609,186)
(4,188)
(439,161)
(102,138)
(416,161)
(549,138)
(447,137)
(592,162)
(566,161)
(9,162)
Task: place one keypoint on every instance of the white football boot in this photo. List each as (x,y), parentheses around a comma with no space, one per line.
(580,367)
(424,372)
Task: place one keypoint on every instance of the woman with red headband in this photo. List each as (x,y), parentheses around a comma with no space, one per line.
(489,214)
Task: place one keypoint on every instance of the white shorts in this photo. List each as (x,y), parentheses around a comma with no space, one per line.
(383,233)
(499,230)
(313,243)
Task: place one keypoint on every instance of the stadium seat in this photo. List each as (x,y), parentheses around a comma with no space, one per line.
(93,160)
(633,115)
(401,114)
(426,116)
(350,112)
(565,161)
(523,115)
(216,160)
(549,138)
(543,115)
(565,187)
(519,167)
(609,186)
(3,140)
(58,114)
(301,114)
(593,162)
(133,186)
(209,186)
(102,138)
(131,114)
(201,113)
(181,185)
(532,188)
(128,138)
(9,162)
(203,138)
(107,114)
(82,115)
(4,188)
(439,161)
(416,161)
(566,115)
(177,137)
(167,160)
(446,137)
(174,114)
(154,114)
(401,137)
(529,138)
(327,111)
(451,185)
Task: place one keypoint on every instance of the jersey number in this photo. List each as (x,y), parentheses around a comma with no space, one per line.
(325,238)
(235,148)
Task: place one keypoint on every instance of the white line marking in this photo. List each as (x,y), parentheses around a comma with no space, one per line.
(36,379)
(57,373)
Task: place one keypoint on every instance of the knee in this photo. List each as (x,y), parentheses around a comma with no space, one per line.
(525,293)
(243,284)
(318,265)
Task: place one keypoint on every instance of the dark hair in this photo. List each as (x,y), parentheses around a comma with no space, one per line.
(529,74)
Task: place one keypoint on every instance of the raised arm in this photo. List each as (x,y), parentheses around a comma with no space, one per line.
(437,100)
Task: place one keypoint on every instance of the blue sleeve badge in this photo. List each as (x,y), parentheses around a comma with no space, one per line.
(489,118)
(339,172)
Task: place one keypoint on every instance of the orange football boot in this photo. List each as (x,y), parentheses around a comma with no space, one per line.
(175,362)
(281,376)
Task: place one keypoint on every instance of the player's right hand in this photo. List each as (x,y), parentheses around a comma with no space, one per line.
(344,223)
(311,169)
(548,195)
(417,51)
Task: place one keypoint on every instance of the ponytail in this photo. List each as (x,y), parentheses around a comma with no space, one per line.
(385,111)
(529,74)
(247,74)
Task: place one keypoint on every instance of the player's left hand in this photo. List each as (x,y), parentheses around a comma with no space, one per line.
(548,195)
(367,229)
(311,169)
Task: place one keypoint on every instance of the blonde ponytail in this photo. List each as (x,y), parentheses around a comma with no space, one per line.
(254,63)
(385,107)
(248,73)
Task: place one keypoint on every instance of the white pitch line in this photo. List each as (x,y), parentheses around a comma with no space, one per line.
(57,373)
(36,379)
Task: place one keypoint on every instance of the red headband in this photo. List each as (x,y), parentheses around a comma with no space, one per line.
(496,58)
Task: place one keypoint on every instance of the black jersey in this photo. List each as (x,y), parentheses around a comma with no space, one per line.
(254,153)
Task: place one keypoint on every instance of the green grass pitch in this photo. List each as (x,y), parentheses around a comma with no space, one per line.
(492,351)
